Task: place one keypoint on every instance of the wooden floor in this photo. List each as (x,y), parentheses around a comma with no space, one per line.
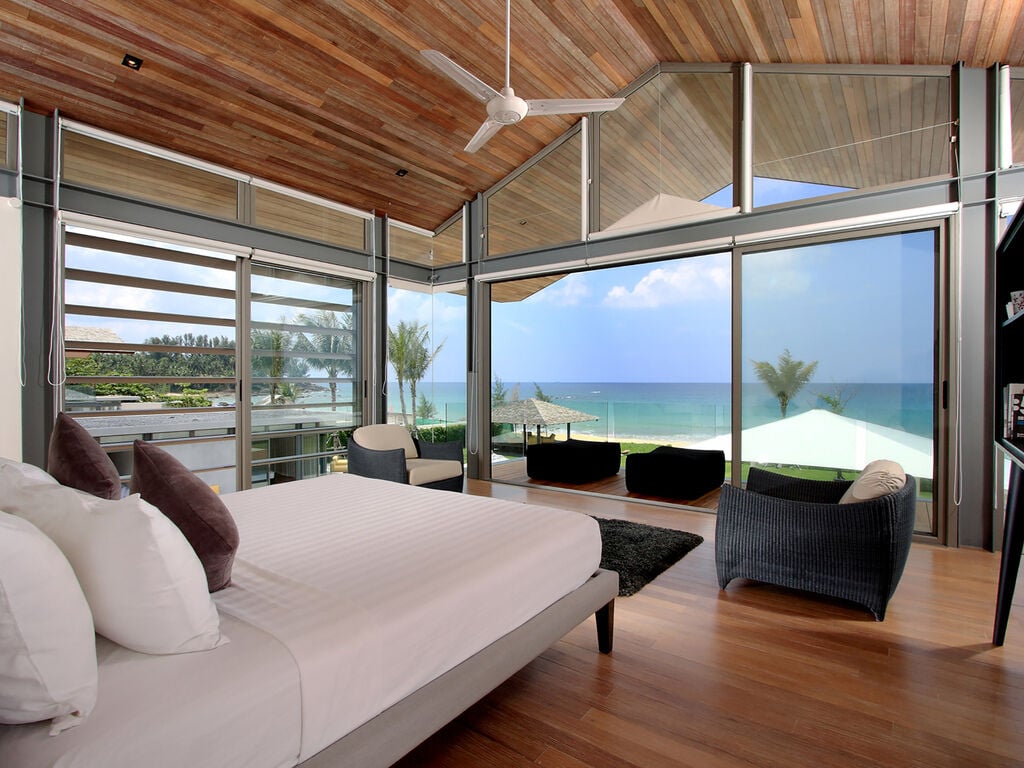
(759,676)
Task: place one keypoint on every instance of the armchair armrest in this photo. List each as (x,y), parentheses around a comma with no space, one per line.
(450,450)
(383,465)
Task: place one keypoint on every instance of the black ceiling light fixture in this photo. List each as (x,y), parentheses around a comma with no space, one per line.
(132,62)
(401,172)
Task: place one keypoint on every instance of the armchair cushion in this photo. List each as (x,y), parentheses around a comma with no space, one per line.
(878,478)
(383,437)
(425,471)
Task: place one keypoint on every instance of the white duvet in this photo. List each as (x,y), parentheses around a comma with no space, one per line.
(347,595)
(377,588)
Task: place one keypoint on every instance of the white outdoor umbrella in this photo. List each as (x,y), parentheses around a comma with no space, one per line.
(820,438)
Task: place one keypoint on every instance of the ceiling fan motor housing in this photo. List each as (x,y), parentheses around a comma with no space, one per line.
(507,108)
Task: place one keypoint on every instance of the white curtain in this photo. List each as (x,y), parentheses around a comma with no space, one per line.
(10,321)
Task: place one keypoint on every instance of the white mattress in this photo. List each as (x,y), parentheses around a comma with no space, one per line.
(234,707)
(347,595)
(377,588)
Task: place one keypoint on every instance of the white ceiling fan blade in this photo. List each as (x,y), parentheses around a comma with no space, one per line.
(571,106)
(467,80)
(488,129)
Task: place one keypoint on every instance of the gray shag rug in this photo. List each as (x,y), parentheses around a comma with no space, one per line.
(639,553)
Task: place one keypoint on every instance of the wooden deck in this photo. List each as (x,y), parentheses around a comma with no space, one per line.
(757,676)
(514,472)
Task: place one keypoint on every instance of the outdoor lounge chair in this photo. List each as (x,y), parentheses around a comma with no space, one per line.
(793,533)
(389,452)
(675,473)
(573,461)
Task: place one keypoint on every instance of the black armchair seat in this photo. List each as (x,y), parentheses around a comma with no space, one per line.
(675,473)
(389,452)
(794,533)
(573,461)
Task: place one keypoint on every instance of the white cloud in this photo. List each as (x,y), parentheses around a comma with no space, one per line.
(775,274)
(688,280)
(570,291)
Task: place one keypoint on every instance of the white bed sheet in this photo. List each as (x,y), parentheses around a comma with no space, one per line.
(377,588)
(235,706)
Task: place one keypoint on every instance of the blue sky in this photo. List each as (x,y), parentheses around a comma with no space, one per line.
(863,309)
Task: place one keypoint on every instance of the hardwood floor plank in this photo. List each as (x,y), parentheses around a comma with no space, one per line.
(758,675)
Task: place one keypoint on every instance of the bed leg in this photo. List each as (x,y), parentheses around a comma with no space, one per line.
(605,627)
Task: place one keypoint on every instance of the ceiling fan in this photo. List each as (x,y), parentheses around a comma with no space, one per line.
(504,107)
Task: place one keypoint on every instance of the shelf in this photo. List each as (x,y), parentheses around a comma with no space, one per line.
(1011,320)
(1015,450)
(1009,368)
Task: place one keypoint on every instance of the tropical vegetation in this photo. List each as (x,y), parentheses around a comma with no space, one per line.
(410,356)
(786,379)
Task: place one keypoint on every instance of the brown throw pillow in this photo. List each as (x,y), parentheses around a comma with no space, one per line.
(76,460)
(192,505)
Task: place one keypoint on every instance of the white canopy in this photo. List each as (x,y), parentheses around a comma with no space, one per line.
(664,210)
(820,438)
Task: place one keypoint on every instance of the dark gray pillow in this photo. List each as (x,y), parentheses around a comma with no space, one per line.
(192,505)
(76,460)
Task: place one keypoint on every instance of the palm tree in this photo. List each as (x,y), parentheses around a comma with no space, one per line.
(785,380)
(328,345)
(270,359)
(409,355)
(268,346)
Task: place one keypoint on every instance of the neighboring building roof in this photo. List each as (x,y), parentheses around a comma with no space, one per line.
(87,333)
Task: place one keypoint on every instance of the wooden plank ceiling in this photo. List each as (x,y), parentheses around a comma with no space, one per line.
(333,97)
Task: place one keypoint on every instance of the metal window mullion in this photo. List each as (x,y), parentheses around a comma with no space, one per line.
(305,432)
(137,314)
(736,404)
(266,326)
(265,298)
(150,379)
(129,281)
(743,131)
(112,245)
(113,348)
(243,375)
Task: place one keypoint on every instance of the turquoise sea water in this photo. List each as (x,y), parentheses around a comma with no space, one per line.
(688,412)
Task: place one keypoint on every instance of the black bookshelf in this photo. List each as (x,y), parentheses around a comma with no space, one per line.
(1009,430)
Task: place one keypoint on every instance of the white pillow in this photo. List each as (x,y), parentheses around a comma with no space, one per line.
(879,478)
(28,472)
(143,581)
(47,641)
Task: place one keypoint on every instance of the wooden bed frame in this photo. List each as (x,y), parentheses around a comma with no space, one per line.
(382,741)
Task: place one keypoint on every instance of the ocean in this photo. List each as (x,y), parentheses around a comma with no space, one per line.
(689,412)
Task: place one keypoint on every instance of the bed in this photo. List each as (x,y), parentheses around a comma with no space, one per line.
(362,616)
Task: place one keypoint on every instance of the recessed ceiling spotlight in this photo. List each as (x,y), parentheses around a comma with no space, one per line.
(132,62)
(401,172)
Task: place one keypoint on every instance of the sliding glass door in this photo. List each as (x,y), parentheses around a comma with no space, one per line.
(838,358)
(154,347)
(304,365)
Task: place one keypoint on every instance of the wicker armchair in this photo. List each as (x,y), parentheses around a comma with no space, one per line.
(793,533)
(389,452)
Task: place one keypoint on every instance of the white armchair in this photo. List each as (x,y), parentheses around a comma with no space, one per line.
(389,452)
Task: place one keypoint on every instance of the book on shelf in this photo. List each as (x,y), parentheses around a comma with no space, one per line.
(1016,304)
(1014,412)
